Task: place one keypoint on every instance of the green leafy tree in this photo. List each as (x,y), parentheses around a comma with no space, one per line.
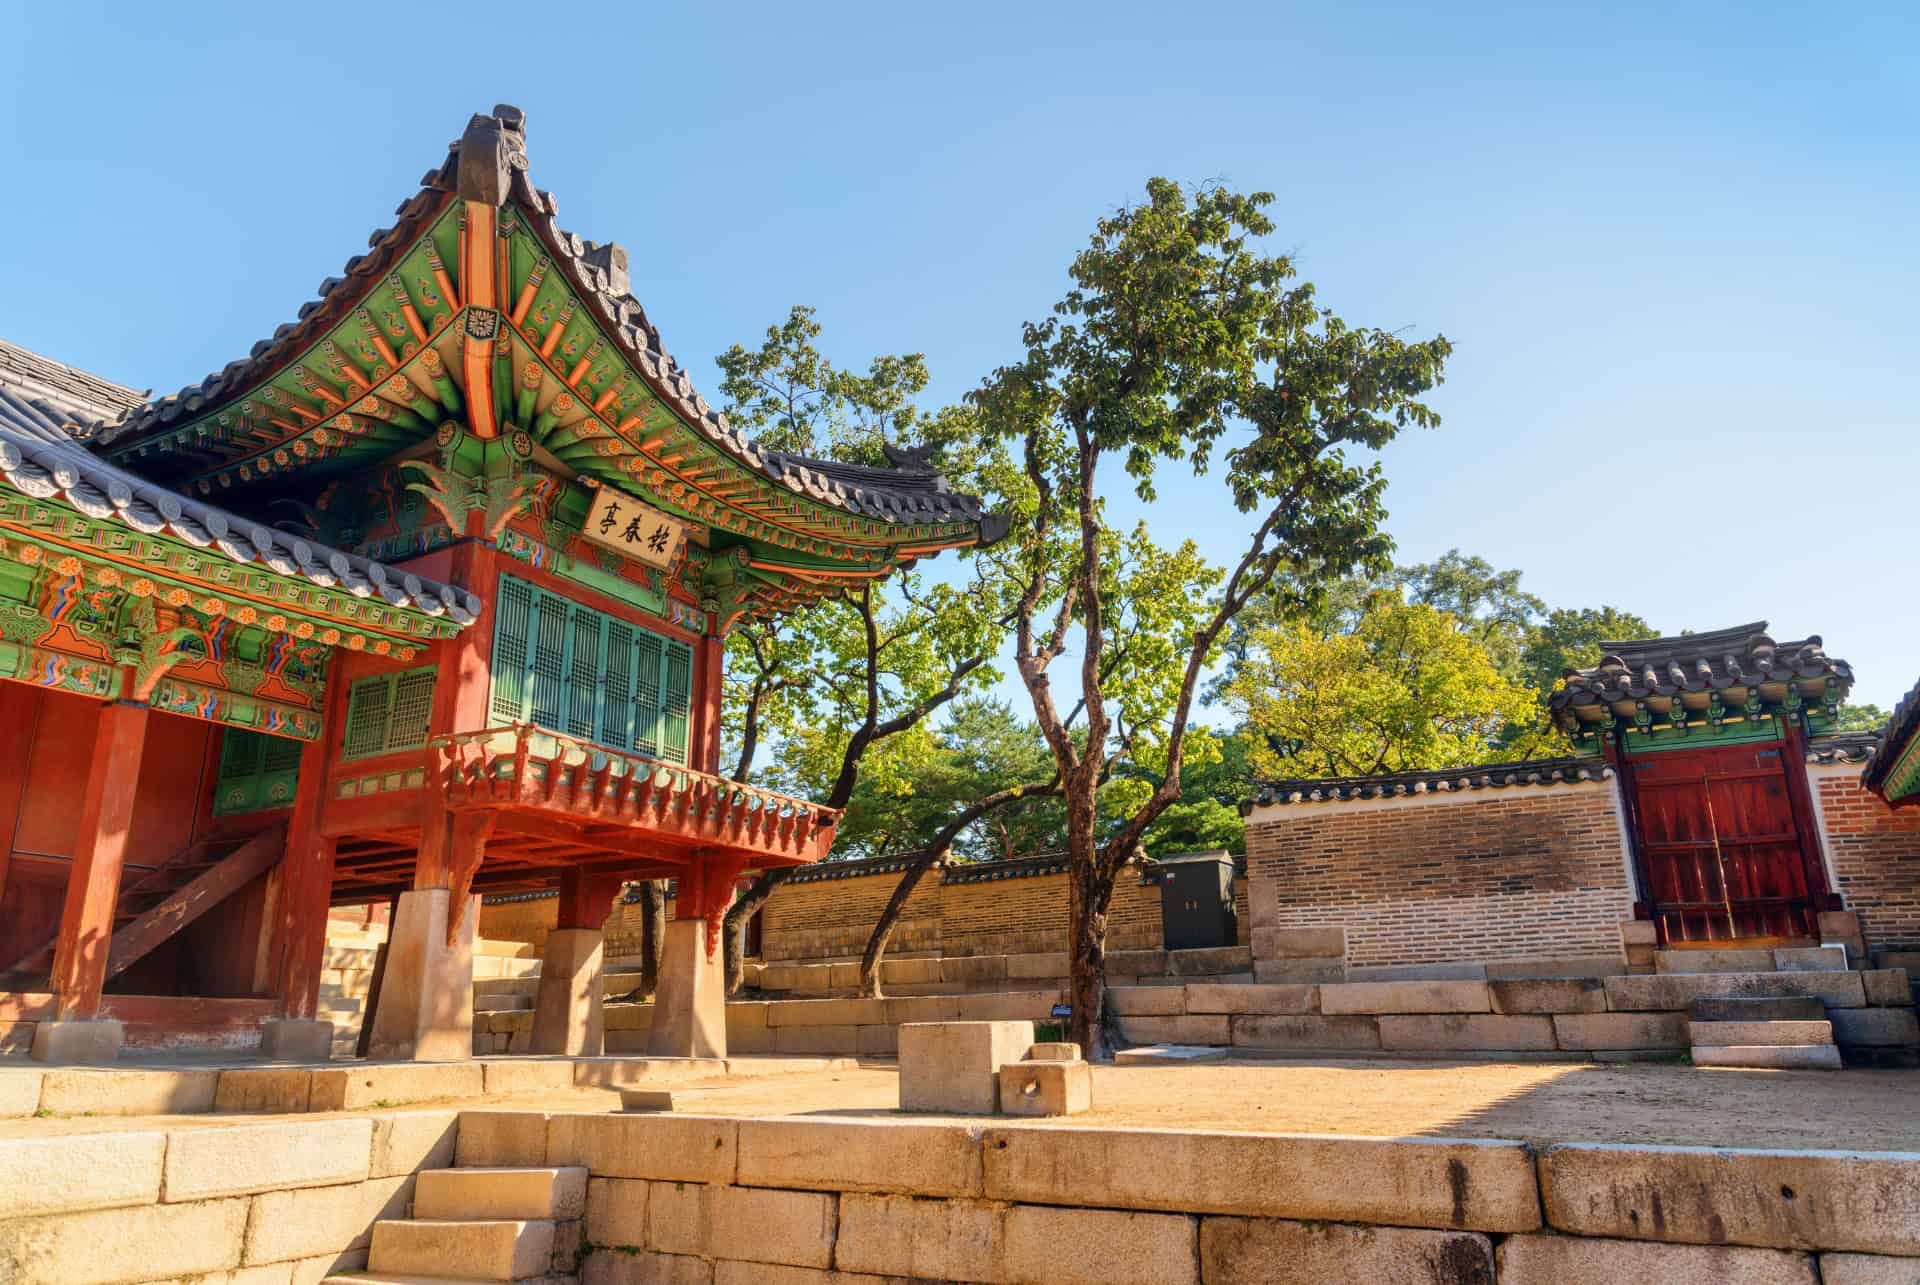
(1176,329)
(1861,718)
(1408,688)
(1570,639)
(1489,605)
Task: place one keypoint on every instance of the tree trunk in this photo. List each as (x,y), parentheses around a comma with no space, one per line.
(734,938)
(653,934)
(889,917)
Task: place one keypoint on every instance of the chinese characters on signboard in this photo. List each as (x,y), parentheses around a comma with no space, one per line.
(638,530)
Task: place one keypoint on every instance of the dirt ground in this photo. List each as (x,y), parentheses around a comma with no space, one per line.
(1854,1109)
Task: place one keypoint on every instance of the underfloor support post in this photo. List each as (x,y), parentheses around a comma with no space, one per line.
(567,1011)
(690,1001)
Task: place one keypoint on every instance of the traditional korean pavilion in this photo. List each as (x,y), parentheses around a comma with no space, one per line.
(423,597)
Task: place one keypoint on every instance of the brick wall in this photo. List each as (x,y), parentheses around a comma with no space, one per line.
(1875,854)
(1512,874)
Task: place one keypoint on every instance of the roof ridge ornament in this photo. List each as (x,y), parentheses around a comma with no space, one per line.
(491,150)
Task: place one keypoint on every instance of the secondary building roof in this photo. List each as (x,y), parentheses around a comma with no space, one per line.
(1894,770)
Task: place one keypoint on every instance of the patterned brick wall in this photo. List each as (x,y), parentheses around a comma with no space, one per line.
(1875,851)
(1512,874)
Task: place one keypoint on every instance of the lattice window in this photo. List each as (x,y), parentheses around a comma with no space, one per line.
(257,772)
(387,713)
(569,668)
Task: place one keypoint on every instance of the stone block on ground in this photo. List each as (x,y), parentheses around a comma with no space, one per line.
(1259,1251)
(647,1100)
(1724,1033)
(954,1066)
(203,1163)
(1678,990)
(1769,1057)
(1839,1200)
(1169,1055)
(1046,1088)
(1880,1026)
(1590,1031)
(1204,997)
(1054,1051)
(1562,1260)
(90,1042)
(1405,997)
(1549,995)
(1099,1247)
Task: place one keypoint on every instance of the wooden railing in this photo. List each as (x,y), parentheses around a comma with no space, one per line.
(522,766)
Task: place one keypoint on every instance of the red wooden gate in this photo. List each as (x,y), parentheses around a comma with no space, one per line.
(1725,846)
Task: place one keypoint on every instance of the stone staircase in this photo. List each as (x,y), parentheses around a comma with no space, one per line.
(475,1225)
(1787,1032)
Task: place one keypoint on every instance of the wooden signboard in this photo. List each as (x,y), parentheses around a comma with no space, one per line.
(639,531)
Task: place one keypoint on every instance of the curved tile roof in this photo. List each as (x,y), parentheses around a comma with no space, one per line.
(1714,661)
(1394,785)
(912,494)
(40,455)
(1900,730)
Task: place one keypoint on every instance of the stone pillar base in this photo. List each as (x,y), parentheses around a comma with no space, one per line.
(70,1043)
(567,1015)
(288,1039)
(425,1012)
(690,1003)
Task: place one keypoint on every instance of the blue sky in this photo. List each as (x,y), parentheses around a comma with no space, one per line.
(1673,247)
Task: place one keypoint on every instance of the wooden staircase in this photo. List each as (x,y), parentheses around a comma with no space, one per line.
(158,905)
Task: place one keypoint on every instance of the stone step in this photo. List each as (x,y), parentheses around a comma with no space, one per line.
(501,1003)
(482,1249)
(519,1193)
(1777,1057)
(1725,1034)
(1763,1008)
(1713,961)
(1809,959)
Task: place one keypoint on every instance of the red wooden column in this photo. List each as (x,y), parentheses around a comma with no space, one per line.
(306,889)
(709,664)
(93,889)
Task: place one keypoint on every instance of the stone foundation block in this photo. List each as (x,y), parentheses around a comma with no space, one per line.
(1723,1033)
(1557,1260)
(844,975)
(407,1141)
(1203,1028)
(617,1212)
(1585,1031)
(321,1220)
(954,1066)
(1713,961)
(816,1039)
(1888,986)
(1455,1031)
(1147,1001)
(792,1227)
(351,1088)
(1305,1032)
(1435,972)
(1209,998)
(490,1250)
(501,1138)
(84,1043)
(1299,943)
(1875,1026)
(1441,1183)
(524,1076)
(1405,997)
(1054,1051)
(1009,1006)
(1770,1057)
(909,972)
(1565,968)
(674,1148)
(264,1089)
(922,1239)
(141,1243)
(290,1040)
(1211,960)
(1099,1247)
(266,1157)
(1258,1251)
(1263,903)
(1638,932)
(1136,963)
(556,1193)
(1549,995)
(1837,923)
(1046,965)
(1678,990)
(747,1029)
(886,1155)
(1298,972)
(825,1012)
(84,1171)
(974,968)
(1782,1008)
(612,1267)
(1046,1088)
(1810,959)
(922,1008)
(1868,1269)
(1864,1201)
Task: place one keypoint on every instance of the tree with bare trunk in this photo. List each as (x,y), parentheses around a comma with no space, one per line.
(1176,339)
